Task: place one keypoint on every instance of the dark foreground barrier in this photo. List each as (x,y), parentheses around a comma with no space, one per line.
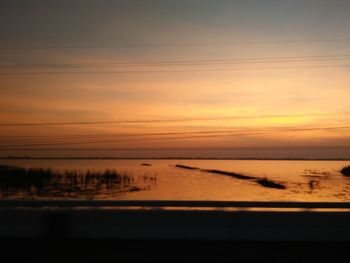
(137,231)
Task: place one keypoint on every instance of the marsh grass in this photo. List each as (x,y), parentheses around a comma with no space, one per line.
(39,182)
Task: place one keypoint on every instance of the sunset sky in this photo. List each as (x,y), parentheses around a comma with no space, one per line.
(175,78)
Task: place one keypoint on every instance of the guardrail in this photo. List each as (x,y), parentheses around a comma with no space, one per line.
(59,219)
(171,204)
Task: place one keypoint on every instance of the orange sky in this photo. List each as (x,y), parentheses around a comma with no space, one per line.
(235,74)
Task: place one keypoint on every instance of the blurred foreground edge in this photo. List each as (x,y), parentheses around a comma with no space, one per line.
(172,231)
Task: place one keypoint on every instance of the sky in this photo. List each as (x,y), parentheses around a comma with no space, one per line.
(208,78)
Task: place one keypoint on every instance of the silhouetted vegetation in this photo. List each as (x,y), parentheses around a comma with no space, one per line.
(345,170)
(313,184)
(261,181)
(316,174)
(232,174)
(39,182)
(271,184)
(186,167)
(17,177)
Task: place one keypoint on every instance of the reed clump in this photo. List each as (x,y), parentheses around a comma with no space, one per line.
(68,183)
(18,177)
(345,170)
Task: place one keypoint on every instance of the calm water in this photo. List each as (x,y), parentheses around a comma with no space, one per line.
(305,180)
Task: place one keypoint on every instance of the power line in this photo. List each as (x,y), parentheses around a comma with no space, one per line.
(167,71)
(118,141)
(108,135)
(169,45)
(213,134)
(27,138)
(74,136)
(165,120)
(182,62)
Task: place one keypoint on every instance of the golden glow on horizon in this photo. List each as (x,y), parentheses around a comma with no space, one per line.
(262,80)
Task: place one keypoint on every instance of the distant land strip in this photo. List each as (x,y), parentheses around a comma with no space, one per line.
(310,147)
(170,158)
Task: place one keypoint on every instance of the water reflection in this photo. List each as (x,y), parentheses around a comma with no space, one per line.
(235,181)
